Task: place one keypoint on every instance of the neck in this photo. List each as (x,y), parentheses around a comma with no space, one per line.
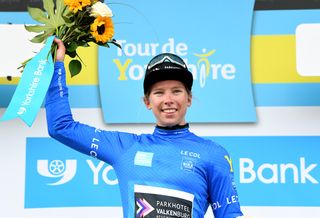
(175,127)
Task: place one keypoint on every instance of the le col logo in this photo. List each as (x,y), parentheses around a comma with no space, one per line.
(202,70)
(64,172)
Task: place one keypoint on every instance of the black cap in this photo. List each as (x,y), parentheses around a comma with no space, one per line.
(167,66)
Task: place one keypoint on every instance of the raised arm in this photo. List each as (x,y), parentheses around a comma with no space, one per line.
(104,145)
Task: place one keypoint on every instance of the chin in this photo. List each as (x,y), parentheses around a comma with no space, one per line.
(169,124)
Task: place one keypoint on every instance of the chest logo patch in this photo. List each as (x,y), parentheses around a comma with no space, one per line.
(188,164)
(143,159)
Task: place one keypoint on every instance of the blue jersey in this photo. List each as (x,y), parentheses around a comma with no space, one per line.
(167,174)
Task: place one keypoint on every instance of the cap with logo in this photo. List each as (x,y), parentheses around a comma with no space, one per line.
(167,66)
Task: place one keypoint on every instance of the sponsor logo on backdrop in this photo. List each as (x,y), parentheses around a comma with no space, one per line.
(270,166)
(66,170)
(278,173)
(54,171)
(203,69)
(57,169)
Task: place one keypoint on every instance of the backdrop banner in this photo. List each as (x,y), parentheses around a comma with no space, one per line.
(55,174)
(213,37)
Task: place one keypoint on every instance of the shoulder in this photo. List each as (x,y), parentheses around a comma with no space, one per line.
(210,145)
(216,155)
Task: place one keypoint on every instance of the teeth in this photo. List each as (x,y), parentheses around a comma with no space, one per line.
(169,110)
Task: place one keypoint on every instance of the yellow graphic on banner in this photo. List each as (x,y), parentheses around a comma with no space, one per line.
(9,80)
(88,76)
(122,68)
(89,73)
(204,58)
(273,60)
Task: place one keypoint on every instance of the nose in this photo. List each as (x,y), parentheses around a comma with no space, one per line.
(168,100)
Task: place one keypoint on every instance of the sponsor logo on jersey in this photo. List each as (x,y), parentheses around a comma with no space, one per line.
(188,164)
(189,160)
(229,161)
(162,202)
(143,159)
(227,201)
(144,208)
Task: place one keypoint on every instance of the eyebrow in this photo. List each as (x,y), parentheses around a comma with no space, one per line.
(175,87)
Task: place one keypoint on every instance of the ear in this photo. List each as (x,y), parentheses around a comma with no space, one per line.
(189,100)
(147,103)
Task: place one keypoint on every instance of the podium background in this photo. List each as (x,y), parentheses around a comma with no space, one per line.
(287,132)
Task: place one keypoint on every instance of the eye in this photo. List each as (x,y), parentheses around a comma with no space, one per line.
(157,92)
(177,91)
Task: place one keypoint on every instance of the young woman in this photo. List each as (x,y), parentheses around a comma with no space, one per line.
(171,173)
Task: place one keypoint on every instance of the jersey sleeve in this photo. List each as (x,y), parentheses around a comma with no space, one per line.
(223,194)
(104,145)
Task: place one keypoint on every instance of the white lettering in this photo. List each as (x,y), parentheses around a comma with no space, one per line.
(200,69)
(278,172)
(95,171)
(31,91)
(105,173)
(32,87)
(228,71)
(246,167)
(233,199)
(190,154)
(305,172)
(283,170)
(139,70)
(216,205)
(94,145)
(274,173)
(151,49)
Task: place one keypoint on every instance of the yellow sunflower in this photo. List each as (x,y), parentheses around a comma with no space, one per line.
(77,5)
(102,29)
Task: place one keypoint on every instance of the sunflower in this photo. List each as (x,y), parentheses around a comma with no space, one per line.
(102,29)
(77,5)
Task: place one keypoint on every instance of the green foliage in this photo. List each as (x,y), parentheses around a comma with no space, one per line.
(50,19)
(75,67)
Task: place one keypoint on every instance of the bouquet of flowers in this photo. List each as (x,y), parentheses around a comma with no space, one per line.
(76,23)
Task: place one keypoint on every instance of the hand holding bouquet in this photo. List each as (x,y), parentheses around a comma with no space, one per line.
(76,23)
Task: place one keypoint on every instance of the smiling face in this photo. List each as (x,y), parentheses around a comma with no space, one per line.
(168,101)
